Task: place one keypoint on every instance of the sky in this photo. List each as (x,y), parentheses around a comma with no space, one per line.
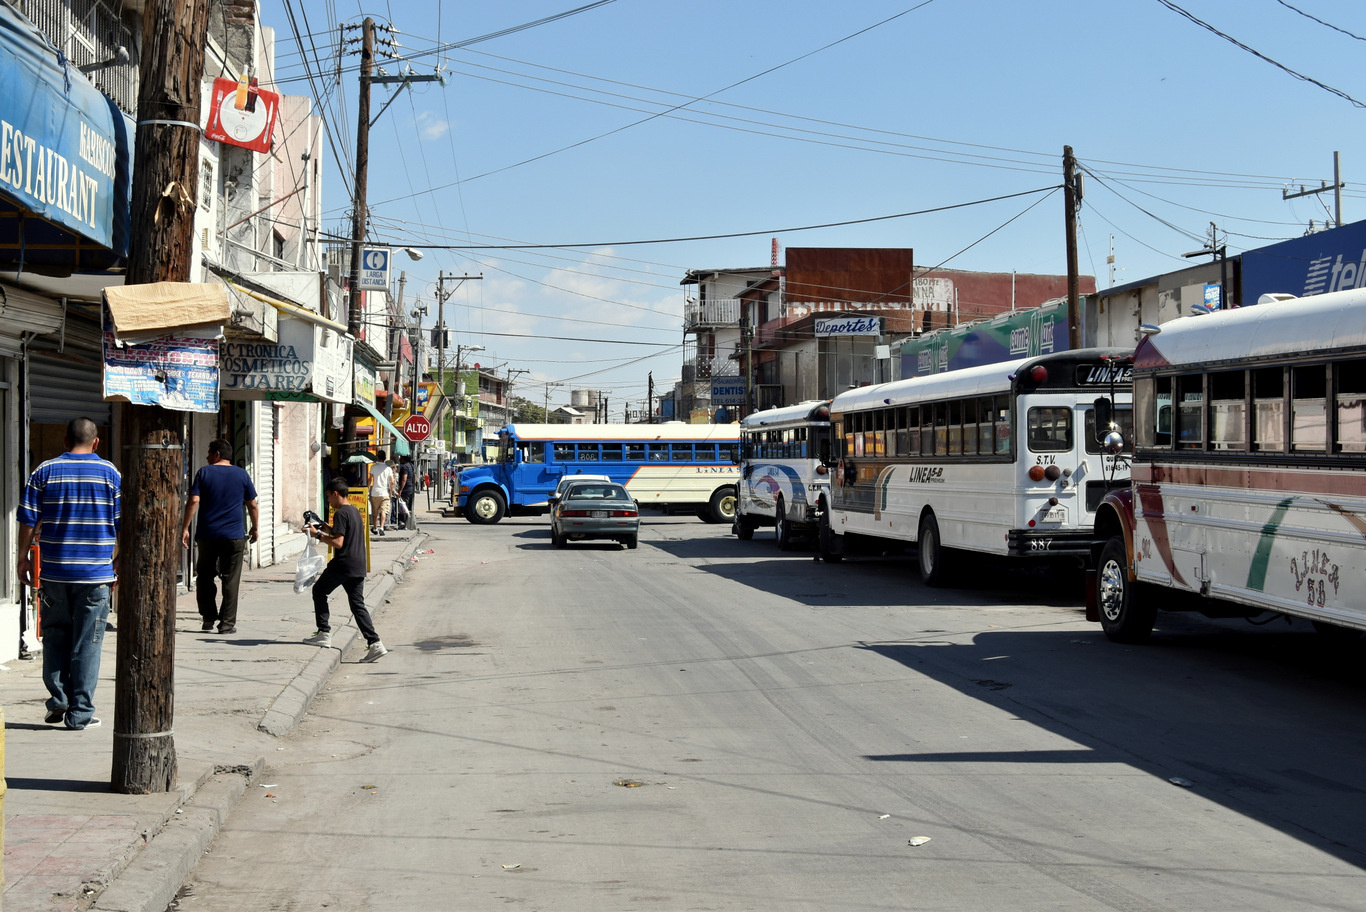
(707,128)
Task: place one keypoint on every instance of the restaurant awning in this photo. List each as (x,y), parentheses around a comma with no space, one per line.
(401,447)
(66,175)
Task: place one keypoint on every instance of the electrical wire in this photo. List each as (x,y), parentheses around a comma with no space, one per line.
(1260,56)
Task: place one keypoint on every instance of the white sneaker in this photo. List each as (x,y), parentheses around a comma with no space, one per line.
(375,652)
(320,638)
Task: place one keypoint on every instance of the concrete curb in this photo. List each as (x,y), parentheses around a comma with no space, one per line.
(151,881)
(288,708)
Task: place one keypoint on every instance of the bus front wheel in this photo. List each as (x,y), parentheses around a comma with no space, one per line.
(1123,616)
(744,527)
(721,508)
(485,507)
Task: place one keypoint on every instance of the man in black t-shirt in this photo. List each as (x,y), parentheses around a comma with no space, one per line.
(345,535)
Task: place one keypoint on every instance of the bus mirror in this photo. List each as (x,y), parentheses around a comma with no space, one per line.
(735,456)
(1113,443)
(1104,415)
(824,454)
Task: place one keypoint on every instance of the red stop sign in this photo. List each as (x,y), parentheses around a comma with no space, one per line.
(417,428)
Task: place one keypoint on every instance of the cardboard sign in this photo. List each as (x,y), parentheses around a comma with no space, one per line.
(240,114)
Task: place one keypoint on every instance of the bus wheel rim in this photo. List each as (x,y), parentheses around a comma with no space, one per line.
(1111,590)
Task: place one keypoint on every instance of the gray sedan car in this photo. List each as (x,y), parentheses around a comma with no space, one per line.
(590,509)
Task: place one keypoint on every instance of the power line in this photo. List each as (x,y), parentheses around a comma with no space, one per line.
(1259,55)
(736,234)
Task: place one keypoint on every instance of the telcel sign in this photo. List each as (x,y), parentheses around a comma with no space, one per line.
(849,326)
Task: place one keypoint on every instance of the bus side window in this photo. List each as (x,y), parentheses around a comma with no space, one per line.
(635,452)
(534,452)
(1268,409)
(611,452)
(1351,406)
(1308,403)
(1190,411)
(564,452)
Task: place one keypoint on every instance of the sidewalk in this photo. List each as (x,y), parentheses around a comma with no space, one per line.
(72,844)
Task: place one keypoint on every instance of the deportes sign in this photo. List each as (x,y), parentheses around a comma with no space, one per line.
(849,326)
(417,428)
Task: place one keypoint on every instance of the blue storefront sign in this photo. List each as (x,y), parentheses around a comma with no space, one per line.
(728,391)
(1317,264)
(65,151)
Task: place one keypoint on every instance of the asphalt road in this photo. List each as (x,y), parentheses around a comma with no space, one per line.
(705,723)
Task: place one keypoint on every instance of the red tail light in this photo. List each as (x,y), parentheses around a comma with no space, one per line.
(620,513)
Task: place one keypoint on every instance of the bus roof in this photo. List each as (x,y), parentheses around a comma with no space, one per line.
(675,430)
(971,381)
(1319,323)
(801,413)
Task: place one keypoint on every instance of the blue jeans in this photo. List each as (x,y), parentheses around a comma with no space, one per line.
(74,618)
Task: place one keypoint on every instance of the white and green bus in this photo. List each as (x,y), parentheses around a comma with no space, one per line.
(1002,459)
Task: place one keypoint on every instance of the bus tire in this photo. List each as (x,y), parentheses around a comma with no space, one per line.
(721,508)
(830,547)
(744,527)
(782,527)
(933,557)
(485,507)
(1124,617)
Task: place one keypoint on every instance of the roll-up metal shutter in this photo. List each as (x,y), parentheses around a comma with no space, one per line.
(24,311)
(66,386)
(267,431)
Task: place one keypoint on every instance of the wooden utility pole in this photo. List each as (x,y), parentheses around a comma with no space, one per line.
(1069,202)
(367,71)
(165,187)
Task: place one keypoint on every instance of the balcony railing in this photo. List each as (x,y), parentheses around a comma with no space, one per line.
(725,312)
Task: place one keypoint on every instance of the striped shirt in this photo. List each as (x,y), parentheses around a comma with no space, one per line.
(77,499)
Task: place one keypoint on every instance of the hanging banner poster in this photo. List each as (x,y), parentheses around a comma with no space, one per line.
(173,372)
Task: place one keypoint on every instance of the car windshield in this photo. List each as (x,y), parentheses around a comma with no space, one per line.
(590,491)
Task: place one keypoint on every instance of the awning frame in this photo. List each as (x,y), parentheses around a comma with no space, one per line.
(401,447)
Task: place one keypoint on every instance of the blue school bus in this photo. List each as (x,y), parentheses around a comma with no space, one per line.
(675,466)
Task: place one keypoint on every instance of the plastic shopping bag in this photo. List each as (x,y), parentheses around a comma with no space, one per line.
(311,565)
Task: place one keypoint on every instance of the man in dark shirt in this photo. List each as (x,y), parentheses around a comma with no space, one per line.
(345,535)
(406,489)
(221,488)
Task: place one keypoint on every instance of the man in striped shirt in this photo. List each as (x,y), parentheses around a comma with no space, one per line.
(73,503)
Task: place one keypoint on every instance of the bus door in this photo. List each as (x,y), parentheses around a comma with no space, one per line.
(538,471)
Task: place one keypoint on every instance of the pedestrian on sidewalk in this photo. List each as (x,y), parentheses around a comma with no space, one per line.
(407,489)
(345,535)
(381,490)
(74,504)
(221,488)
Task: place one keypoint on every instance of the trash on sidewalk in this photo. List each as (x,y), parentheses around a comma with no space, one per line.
(918,840)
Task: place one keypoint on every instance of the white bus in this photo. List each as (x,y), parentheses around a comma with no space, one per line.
(784,480)
(1002,459)
(674,466)
(1249,476)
